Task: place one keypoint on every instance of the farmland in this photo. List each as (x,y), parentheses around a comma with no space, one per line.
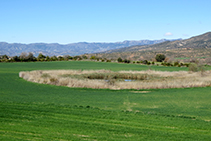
(31,111)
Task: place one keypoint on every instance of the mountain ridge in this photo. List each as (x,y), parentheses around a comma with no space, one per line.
(199,41)
(72,49)
(195,47)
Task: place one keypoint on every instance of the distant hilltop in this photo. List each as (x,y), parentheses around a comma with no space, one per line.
(197,42)
(13,49)
(194,47)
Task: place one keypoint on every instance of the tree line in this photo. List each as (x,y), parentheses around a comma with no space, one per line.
(29,57)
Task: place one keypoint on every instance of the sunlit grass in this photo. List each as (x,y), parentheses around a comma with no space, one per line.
(32,111)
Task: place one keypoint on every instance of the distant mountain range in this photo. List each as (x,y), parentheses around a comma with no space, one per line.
(73,49)
(197,42)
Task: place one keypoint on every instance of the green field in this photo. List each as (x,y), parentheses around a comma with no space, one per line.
(30,111)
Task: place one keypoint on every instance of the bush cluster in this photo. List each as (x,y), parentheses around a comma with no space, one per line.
(175,64)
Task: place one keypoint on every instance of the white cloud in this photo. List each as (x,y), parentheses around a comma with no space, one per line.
(168,34)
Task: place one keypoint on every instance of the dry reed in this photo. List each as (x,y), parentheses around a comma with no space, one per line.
(163,79)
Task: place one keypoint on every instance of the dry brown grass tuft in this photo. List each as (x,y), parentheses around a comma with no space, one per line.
(157,79)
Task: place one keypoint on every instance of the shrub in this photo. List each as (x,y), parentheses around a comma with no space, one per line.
(77,58)
(41,56)
(30,57)
(186,64)
(45,75)
(168,64)
(66,57)
(127,61)
(193,67)
(61,58)
(16,58)
(160,57)
(5,57)
(111,81)
(88,106)
(93,57)
(119,59)
(23,56)
(84,57)
(145,62)
(176,64)
(53,81)
(53,58)
(47,58)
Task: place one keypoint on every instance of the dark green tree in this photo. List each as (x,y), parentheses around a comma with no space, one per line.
(145,62)
(127,61)
(47,58)
(5,57)
(16,58)
(30,57)
(77,58)
(53,58)
(41,56)
(60,58)
(119,59)
(160,57)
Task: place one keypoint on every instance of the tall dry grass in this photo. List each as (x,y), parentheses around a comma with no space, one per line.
(162,79)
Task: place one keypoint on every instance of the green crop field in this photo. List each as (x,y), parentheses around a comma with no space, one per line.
(31,111)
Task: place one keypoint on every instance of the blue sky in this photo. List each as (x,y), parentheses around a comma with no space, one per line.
(70,21)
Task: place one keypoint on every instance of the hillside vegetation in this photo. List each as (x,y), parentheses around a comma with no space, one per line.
(198,46)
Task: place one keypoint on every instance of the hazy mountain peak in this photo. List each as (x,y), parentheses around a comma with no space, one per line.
(68,49)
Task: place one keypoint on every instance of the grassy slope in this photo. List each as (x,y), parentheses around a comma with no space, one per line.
(36,111)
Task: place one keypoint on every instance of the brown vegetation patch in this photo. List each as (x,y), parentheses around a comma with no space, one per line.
(116,80)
